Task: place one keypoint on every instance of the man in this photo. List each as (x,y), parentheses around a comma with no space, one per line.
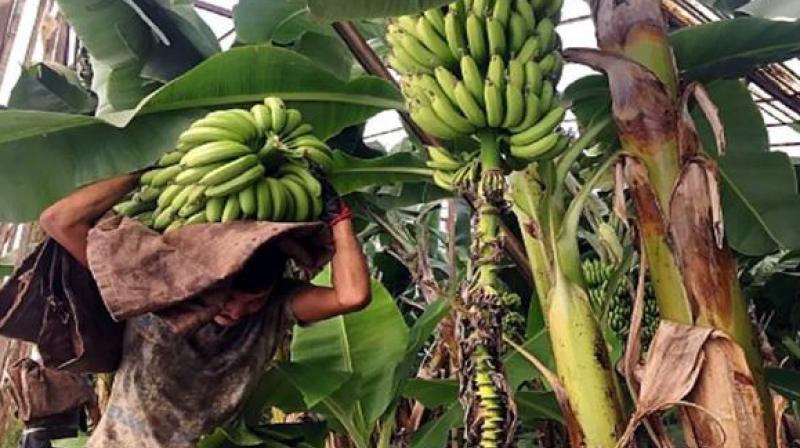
(172,388)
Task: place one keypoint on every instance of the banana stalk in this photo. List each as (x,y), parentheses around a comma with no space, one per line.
(490,419)
(673,187)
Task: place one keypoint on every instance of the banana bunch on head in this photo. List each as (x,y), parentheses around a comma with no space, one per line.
(478,64)
(234,164)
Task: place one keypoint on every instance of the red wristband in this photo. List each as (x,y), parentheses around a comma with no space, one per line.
(344,213)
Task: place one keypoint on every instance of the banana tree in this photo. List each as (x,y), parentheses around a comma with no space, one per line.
(674,190)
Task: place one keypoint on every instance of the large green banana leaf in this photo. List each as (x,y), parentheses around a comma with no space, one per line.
(351,9)
(51,87)
(132,43)
(369,344)
(259,21)
(352,174)
(732,48)
(246,75)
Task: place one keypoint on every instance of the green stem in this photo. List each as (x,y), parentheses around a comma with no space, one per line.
(489,223)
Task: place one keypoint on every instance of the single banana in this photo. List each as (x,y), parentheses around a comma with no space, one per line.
(469,106)
(262,116)
(494,104)
(516,73)
(502,11)
(408,24)
(443,180)
(146,218)
(277,110)
(278,196)
(192,175)
(165,175)
(559,148)
(434,42)
(447,81)
(529,50)
(247,201)
(237,121)
(164,218)
(303,129)
(546,30)
(480,7)
(308,140)
(547,96)
(237,183)
(454,32)
(132,207)
(263,200)
(473,79)
(168,195)
(450,115)
(229,170)
(443,166)
(430,123)
(496,72)
(496,33)
(476,39)
(548,63)
(515,106)
(305,176)
(170,158)
(400,67)
(181,198)
(195,136)
(436,18)
(232,210)
(539,5)
(517,33)
(321,157)
(532,112)
(148,194)
(214,208)
(214,152)
(175,225)
(300,198)
(533,77)
(540,129)
(525,10)
(440,154)
(147,178)
(404,59)
(536,148)
(293,119)
(197,218)
(194,203)
(419,52)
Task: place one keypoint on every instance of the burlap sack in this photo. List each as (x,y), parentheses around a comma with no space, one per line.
(37,392)
(183,274)
(52,301)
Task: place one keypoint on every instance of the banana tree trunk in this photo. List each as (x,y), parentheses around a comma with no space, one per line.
(593,407)
(674,190)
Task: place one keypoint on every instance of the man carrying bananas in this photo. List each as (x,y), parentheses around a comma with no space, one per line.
(204,307)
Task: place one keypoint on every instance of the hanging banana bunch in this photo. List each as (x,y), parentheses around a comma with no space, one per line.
(617,304)
(234,164)
(476,65)
(483,69)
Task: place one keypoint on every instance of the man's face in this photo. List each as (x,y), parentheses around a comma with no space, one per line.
(240,305)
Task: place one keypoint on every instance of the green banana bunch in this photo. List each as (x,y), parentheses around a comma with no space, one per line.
(234,164)
(597,273)
(478,64)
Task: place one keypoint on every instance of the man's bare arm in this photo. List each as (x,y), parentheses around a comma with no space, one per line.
(69,220)
(350,280)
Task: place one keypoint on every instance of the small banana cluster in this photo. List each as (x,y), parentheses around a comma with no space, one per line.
(451,172)
(491,409)
(483,64)
(234,164)
(597,274)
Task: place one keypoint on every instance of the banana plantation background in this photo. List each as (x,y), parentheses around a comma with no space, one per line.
(599,248)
